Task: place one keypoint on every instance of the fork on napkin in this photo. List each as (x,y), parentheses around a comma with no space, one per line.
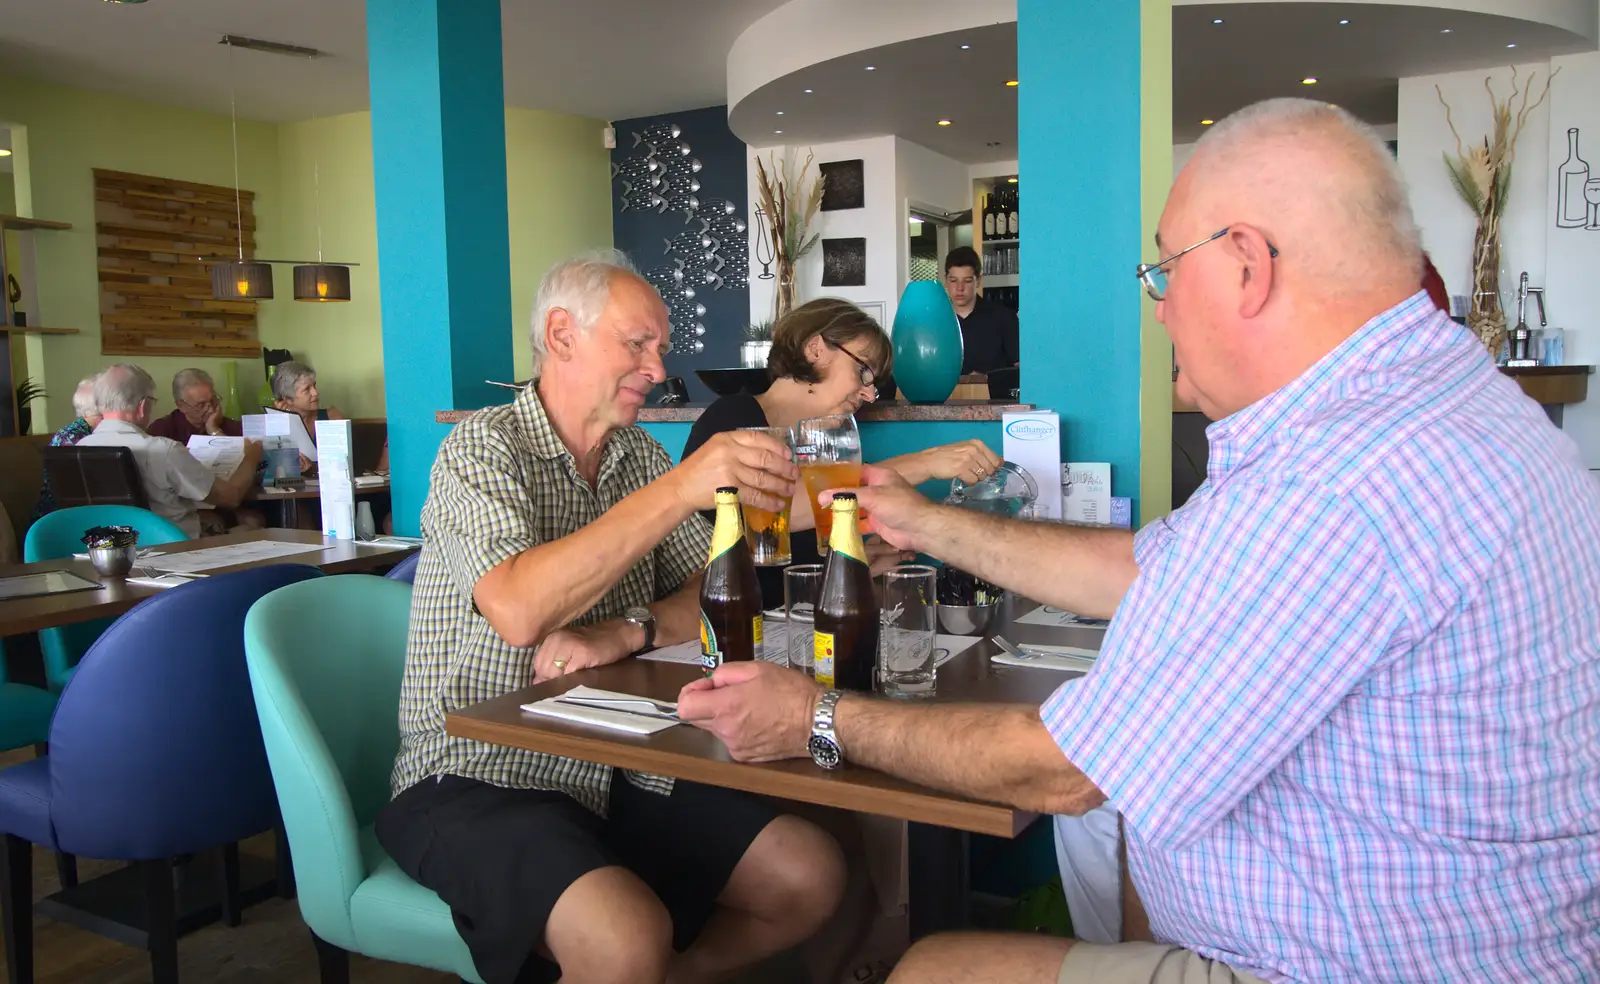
(608,709)
(1045,657)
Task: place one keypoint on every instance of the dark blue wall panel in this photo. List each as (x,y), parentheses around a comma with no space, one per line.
(678,207)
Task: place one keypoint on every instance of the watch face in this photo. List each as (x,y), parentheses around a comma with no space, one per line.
(637,615)
(824,751)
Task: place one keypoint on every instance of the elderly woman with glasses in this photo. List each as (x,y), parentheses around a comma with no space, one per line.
(827,356)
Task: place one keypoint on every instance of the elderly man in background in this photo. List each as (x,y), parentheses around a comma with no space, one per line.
(81,426)
(559,536)
(1349,703)
(199,411)
(175,482)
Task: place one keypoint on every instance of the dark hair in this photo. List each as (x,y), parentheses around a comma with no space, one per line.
(962,256)
(837,322)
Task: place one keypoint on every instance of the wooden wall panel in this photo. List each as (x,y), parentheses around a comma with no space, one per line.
(155,293)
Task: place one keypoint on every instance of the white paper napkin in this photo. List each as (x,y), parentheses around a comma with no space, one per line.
(599,717)
(1051,658)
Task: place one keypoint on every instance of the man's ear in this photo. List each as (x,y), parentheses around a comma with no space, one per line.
(1256,270)
(560,333)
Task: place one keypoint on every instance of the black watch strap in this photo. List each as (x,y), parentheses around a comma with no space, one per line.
(645,619)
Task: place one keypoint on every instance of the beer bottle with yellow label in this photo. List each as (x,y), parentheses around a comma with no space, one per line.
(730,594)
(847,624)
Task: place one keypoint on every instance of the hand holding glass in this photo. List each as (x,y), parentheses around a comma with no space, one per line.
(828,451)
(767,532)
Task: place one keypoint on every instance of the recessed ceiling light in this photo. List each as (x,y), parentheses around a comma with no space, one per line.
(872,68)
(965,47)
(1207,122)
(124,1)
(1309,80)
(1011,181)
(5,152)
(1216,20)
(808,92)
(1444,30)
(1343,21)
(780,112)
(1011,83)
(777,131)
(1513,45)
(944,122)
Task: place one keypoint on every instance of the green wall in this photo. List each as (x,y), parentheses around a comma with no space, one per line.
(558,189)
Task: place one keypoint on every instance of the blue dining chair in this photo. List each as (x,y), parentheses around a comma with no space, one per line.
(326,659)
(406,570)
(59,535)
(155,754)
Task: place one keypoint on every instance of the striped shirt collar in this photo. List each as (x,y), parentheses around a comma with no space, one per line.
(1235,438)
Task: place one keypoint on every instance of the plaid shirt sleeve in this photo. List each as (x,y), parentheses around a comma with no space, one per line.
(1248,624)
(480,513)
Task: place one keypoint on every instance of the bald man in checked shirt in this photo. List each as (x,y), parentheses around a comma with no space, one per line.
(1349,701)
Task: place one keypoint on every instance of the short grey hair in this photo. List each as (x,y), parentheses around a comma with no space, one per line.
(286,378)
(83,397)
(122,387)
(1378,203)
(581,286)
(185,380)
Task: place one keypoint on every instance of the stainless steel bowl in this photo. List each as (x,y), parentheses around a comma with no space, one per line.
(114,561)
(967,619)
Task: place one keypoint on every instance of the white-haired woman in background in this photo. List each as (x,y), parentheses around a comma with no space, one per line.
(86,416)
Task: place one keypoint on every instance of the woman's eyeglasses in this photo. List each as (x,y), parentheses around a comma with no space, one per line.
(868,377)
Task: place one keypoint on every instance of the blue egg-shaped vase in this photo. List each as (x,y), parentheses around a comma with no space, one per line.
(927,343)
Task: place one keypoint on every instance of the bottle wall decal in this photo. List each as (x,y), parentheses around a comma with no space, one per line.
(1572,210)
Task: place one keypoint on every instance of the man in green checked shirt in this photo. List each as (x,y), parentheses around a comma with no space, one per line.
(559,536)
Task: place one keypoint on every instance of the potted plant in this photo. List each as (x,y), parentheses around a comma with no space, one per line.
(757,344)
(27,392)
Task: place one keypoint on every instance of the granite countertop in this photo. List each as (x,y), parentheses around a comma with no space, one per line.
(884,410)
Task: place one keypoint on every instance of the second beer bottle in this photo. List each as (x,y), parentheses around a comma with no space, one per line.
(847,612)
(730,594)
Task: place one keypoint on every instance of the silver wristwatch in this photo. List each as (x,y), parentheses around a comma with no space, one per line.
(824,744)
(645,619)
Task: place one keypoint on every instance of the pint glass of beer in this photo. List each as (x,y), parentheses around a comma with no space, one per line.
(828,451)
(767,532)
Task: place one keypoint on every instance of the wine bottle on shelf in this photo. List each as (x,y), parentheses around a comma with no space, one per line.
(1016,212)
(1001,221)
(988,216)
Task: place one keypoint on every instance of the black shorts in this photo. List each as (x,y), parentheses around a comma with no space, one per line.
(500,858)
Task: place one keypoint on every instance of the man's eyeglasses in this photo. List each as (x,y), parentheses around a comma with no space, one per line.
(868,377)
(1154,275)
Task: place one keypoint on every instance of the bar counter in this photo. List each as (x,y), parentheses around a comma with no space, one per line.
(884,410)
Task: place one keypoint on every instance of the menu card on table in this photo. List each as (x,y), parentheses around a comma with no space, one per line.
(334,480)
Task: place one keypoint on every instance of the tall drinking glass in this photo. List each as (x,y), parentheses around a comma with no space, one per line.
(802,588)
(828,451)
(765,531)
(910,614)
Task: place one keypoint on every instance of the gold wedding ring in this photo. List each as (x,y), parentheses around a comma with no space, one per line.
(561,664)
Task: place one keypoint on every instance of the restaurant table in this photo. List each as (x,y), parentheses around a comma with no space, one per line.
(49,611)
(939,822)
(291,499)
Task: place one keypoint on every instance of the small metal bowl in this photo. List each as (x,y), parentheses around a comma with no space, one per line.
(114,561)
(967,619)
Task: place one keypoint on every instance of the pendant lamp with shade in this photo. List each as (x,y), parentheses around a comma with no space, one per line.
(242,280)
(319,281)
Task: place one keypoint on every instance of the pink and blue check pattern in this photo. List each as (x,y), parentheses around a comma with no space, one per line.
(1350,708)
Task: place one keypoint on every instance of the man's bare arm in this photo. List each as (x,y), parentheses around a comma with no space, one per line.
(999,754)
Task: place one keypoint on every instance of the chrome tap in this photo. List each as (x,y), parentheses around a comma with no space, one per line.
(1520,340)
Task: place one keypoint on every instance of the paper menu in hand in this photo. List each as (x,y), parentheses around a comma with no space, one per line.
(258,426)
(297,431)
(223,455)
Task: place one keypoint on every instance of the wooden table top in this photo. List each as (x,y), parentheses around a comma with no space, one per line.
(262,495)
(685,752)
(49,611)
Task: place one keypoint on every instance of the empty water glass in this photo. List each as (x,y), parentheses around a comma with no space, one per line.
(802,587)
(910,616)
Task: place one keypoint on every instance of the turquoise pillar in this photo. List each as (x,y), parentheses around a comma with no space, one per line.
(439,170)
(1090,348)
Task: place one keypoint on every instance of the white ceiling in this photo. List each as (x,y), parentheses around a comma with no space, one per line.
(616,59)
(612,59)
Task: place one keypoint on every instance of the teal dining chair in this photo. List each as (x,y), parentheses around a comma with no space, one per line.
(325,663)
(59,535)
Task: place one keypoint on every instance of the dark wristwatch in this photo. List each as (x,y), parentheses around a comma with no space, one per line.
(646,620)
(824,744)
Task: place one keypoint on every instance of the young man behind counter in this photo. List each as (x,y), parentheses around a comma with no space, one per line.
(988,330)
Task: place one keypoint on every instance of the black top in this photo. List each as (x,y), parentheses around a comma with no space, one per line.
(731,413)
(989,337)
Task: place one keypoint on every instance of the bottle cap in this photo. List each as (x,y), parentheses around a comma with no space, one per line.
(728,489)
(844,497)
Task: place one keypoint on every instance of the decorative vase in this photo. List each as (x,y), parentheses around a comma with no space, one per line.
(927,343)
(1487,317)
(783,292)
(230,390)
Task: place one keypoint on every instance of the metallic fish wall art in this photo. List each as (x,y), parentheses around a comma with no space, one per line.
(711,254)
